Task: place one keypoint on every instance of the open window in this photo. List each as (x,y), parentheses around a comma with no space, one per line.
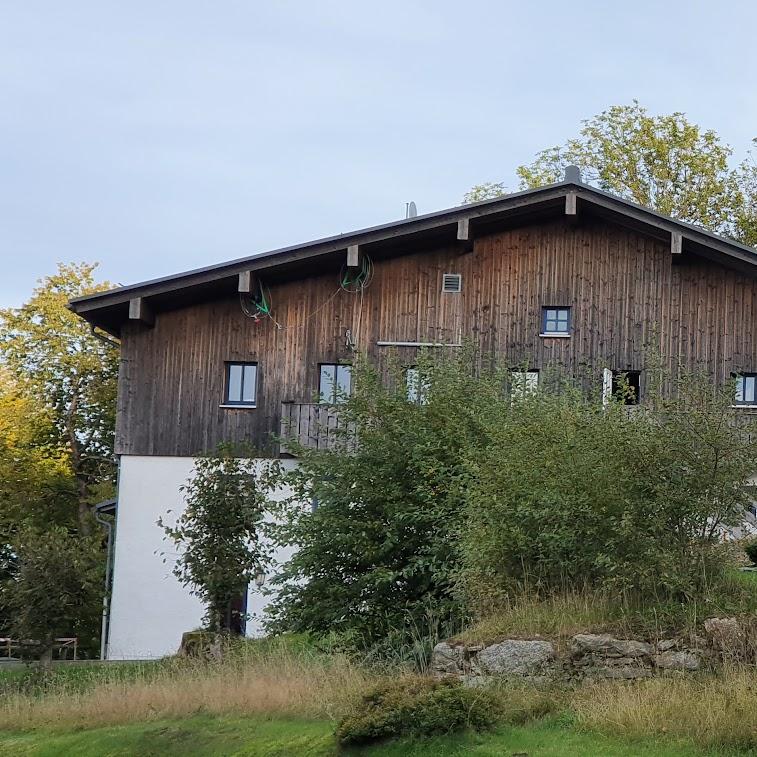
(624,386)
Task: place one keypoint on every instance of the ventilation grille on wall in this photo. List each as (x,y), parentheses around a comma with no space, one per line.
(452,282)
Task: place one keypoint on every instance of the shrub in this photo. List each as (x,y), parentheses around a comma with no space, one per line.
(570,493)
(751,550)
(379,554)
(416,706)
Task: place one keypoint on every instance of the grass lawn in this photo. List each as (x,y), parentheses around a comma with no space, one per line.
(256,737)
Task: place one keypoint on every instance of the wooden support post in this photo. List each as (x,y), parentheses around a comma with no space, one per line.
(139,310)
(676,242)
(353,256)
(571,206)
(463,229)
(245,282)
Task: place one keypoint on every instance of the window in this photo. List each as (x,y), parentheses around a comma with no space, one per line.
(746,389)
(452,282)
(335,383)
(523,383)
(555,321)
(241,384)
(418,386)
(624,386)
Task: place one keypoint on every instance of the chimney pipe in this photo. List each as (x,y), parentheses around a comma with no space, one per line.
(573,174)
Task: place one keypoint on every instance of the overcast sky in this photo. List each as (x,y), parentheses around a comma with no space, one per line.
(160,136)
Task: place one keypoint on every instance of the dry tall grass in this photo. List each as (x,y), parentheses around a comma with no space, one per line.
(279,681)
(712,711)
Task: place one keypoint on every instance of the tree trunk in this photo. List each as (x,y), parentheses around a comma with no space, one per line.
(46,658)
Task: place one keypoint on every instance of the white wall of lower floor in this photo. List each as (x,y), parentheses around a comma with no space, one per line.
(150,609)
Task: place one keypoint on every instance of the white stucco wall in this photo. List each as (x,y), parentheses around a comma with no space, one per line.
(150,609)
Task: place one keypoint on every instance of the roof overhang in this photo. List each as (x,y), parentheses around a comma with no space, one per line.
(111,309)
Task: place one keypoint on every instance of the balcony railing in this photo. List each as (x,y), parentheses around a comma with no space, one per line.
(312,425)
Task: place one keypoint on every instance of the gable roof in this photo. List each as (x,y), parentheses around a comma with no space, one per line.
(110,309)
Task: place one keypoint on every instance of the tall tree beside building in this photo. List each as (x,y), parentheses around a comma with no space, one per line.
(65,370)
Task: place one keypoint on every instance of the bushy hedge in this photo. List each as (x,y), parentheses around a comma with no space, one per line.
(416,706)
(434,510)
(570,493)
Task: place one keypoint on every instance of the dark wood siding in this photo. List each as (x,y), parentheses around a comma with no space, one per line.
(625,290)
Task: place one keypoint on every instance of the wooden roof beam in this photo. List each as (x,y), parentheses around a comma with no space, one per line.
(571,206)
(676,242)
(463,229)
(140,310)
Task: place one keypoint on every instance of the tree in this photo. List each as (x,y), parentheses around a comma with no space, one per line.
(55,589)
(379,553)
(570,493)
(220,534)
(59,363)
(37,486)
(662,162)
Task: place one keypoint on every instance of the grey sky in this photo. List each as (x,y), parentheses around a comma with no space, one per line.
(160,136)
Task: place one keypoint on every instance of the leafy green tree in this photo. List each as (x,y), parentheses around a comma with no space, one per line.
(64,368)
(221,533)
(37,486)
(55,589)
(662,162)
(571,493)
(379,552)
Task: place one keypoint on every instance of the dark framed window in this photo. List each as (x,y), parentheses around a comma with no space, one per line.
(746,389)
(523,383)
(626,386)
(335,383)
(555,320)
(241,384)
(417,386)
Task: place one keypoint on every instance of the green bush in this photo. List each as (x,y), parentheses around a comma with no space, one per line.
(751,550)
(570,493)
(417,707)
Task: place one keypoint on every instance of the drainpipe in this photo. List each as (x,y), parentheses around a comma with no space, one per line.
(106,597)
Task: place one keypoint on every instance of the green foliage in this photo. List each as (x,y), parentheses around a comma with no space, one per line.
(417,707)
(220,533)
(489,190)
(751,549)
(662,162)
(570,494)
(56,589)
(378,555)
(62,368)
(428,512)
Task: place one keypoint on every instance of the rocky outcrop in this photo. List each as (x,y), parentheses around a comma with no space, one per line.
(588,656)
(602,656)
(515,657)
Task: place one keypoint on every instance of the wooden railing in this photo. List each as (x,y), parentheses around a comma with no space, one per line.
(66,648)
(312,425)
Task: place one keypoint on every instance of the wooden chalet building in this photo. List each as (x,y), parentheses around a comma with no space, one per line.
(565,274)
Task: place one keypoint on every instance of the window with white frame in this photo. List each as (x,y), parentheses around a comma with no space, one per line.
(335,383)
(746,389)
(241,384)
(417,385)
(523,383)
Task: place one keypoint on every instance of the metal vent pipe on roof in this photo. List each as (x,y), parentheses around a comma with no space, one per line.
(573,174)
